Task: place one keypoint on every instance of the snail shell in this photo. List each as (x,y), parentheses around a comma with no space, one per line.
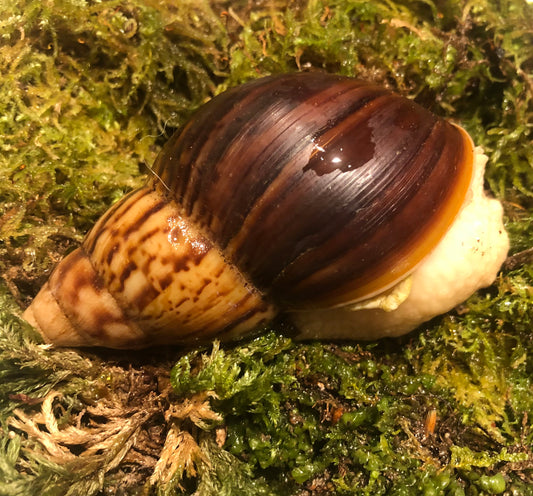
(317,195)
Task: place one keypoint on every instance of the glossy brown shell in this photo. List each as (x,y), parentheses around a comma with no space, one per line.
(321,189)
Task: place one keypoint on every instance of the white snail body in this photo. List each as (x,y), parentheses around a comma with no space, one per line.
(312,195)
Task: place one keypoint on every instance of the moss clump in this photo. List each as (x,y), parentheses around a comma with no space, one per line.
(88,93)
(358,418)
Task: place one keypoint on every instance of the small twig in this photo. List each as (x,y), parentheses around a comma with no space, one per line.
(519,259)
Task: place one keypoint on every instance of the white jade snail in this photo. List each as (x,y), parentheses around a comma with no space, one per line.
(352,210)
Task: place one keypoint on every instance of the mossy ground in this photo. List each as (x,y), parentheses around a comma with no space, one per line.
(89,91)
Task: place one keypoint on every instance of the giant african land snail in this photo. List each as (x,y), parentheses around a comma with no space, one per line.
(354,211)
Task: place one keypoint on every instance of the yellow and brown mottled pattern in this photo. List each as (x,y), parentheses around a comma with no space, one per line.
(143,277)
(167,276)
(84,312)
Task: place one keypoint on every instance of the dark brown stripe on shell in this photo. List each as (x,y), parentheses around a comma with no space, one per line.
(145,217)
(145,297)
(125,274)
(121,234)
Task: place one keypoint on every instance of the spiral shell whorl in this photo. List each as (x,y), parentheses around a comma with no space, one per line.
(357,183)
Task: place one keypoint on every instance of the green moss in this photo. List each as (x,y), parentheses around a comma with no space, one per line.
(88,93)
(354,417)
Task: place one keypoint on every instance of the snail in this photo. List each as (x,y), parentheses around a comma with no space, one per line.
(351,210)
